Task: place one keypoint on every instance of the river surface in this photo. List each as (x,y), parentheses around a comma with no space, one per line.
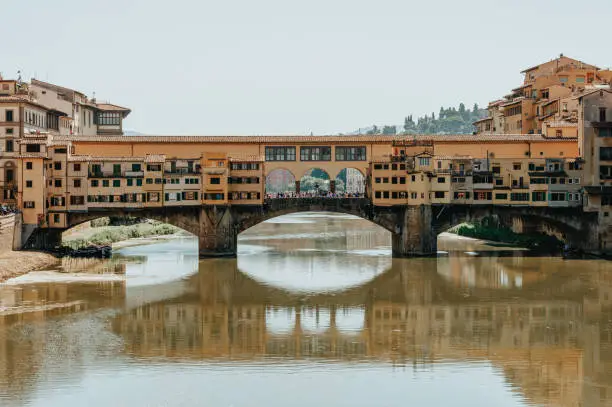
(314,312)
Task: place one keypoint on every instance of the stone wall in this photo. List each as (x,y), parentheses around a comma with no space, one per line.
(7,235)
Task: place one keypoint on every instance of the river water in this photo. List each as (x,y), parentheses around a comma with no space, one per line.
(314,312)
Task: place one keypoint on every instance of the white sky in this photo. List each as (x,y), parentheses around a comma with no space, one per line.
(284,66)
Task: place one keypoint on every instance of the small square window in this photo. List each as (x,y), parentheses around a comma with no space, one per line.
(28,184)
(29,165)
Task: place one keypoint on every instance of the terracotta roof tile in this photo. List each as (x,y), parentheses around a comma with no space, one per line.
(89,158)
(374,139)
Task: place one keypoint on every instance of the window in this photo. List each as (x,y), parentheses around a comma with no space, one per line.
(377,180)
(9,116)
(350,153)
(215,181)
(377,194)
(77,183)
(441,180)
(516,166)
(315,153)
(394,180)
(280,153)
(413,178)
(501,196)
(394,195)
(402,180)
(154,167)
(61,150)
(28,204)
(149,180)
(109,118)
(605,132)
(116,183)
(563,79)
(579,79)
(33,148)
(439,194)
(424,161)
(602,114)
(605,172)
(519,196)
(57,165)
(385,180)
(9,146)
(136,167)
(76,167)
(9,132)
(77,200)
(558,196)
(413,195)
(105,183)
(483,196)
(158,181)
(28,184)
(139,182)
(94,183)
(214,197)
(29,165)
(538,196)
(394,167)
(499,182)
(58,183)
(385,194)
(130,182)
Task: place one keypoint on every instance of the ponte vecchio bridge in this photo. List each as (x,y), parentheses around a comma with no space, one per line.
(215,187)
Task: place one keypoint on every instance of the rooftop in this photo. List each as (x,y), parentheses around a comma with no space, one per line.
(293,139)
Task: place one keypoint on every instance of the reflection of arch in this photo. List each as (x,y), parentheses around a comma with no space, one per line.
(350,180)
(280,180)
(315,178)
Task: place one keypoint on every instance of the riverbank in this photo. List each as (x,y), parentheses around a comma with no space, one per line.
(14,264)
(113,235)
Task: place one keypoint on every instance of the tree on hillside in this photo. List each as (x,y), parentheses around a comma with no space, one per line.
(389,130)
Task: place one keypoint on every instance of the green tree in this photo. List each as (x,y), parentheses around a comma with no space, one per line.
(389,130)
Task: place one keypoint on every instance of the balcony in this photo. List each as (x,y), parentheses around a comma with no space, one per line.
(115,174)
(183,171)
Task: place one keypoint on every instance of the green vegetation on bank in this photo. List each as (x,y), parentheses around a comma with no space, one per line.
(490,230)
(108,234)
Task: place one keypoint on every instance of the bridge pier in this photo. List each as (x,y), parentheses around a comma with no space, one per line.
(218,234)
(415,234)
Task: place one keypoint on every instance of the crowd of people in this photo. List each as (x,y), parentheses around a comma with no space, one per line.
(314,194)
(7,210)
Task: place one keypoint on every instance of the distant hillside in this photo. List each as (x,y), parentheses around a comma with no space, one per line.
(448,121)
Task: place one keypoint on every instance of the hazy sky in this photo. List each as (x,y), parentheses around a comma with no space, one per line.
(284,66)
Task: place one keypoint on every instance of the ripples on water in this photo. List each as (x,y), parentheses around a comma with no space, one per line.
(314,312)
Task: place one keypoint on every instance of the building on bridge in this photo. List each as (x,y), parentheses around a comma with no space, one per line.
(59,179)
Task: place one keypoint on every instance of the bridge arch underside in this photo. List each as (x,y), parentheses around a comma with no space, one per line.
(574,228)
(414,229)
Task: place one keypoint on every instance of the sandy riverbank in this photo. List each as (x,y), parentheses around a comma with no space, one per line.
(14,264)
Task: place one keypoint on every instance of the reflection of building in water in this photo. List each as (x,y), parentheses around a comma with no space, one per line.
(23,338)
(114,265)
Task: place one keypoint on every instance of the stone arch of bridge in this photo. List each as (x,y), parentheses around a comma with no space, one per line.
(569,226)
(185,218)
(359,207)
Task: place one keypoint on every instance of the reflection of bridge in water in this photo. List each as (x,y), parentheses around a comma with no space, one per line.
(408,315)
(546,337)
